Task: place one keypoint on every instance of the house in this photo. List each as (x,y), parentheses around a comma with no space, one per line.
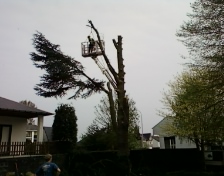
(31,133)
(149,141)
(170,141)
(13,121)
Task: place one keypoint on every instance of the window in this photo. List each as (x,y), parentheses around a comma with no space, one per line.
(31,136)
(28,133)
(170,142)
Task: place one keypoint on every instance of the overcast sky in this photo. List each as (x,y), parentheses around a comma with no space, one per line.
(152,54)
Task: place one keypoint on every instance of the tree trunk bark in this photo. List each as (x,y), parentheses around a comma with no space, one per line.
(122,114)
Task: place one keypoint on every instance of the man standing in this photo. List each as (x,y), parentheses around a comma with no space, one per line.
(91,44)
(48,168)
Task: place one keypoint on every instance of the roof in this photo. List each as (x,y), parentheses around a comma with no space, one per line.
(156,138)
(146,136)
(158,123)
(48,132)
(12,108)
(31,127)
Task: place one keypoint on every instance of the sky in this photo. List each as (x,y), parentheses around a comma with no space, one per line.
(151,51)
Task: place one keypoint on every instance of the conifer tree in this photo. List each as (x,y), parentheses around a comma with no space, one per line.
(64,126)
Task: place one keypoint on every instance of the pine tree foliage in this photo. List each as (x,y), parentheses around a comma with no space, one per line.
(63,73)
(64,126)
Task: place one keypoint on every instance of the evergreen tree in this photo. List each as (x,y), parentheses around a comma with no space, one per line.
(64,127)
(63,73)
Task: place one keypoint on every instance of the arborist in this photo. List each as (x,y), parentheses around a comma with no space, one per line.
(91,44)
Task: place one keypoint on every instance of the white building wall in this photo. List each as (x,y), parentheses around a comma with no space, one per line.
(161,141)
(184,143)
(155,144)
(180,144)
(159,130)
(18,127)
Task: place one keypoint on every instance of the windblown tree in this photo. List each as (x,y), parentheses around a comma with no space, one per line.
(63,73)
(101,130)
(64,126)
(193,111)
(30,121)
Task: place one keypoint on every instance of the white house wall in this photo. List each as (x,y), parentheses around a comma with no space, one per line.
(161,141)
(179,144)
(159,130)
(155,144)
(18,127)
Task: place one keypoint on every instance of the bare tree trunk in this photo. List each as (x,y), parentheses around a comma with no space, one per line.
(123,107)
(122,111)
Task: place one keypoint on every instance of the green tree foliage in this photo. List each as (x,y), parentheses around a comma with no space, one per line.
(30,121)
(194,112)
(64,126)
(100,134)
(203,33)
(97,139)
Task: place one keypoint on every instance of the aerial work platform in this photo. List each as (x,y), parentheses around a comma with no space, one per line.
(94,52)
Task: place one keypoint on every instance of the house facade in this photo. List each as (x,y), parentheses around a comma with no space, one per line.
(149,141)
(170,141)
(13,121)
(31,133)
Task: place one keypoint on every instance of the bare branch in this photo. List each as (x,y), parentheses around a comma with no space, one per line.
(114,73)
(115,43)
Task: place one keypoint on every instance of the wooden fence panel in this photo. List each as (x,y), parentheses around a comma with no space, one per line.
(23,148)
(35,148)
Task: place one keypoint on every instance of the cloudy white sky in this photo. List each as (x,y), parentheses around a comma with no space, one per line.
(152,54)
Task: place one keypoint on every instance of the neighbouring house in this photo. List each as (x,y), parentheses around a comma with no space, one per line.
(149,141)
(31,133)
(13,121)
(170,141)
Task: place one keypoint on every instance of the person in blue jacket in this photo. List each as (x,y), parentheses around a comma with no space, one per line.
(48,168)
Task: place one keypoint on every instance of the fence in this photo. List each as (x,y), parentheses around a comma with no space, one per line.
(28,148)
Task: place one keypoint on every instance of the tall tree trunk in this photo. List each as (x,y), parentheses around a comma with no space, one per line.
(123,107)
(123,113)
